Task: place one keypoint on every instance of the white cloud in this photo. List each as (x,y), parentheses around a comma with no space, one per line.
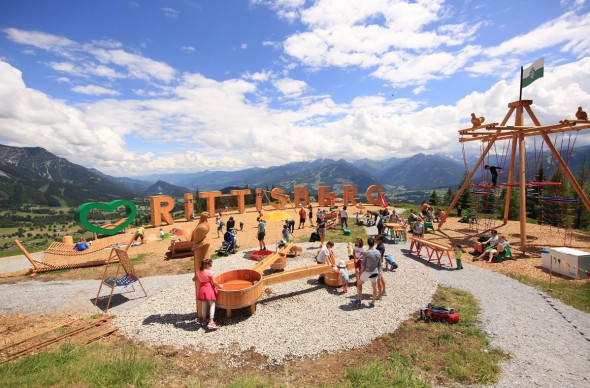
(138,66)
(568,30)
(244,46)
(290,87)
(188,49)
(170,12)
(95,90)
(31,118)
(39,39)
(81,58)
(419,89)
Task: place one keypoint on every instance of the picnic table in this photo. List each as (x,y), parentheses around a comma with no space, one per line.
(397,232)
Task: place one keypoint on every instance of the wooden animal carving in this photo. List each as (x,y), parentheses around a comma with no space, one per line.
(581,115)
(476,121)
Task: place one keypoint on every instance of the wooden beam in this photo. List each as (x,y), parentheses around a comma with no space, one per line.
(510,177)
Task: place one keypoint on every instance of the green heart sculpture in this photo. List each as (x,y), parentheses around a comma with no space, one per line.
(81,216)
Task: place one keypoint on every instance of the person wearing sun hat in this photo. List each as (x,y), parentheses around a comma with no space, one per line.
(344,272)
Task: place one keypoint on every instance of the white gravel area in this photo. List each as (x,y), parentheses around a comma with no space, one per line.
(300,318)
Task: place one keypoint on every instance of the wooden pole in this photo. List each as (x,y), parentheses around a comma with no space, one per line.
(520,94)
(467,180)
(510,177)
(522,180)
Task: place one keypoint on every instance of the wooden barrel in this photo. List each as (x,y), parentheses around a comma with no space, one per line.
(333,279)
(241,288)
(68,240)
(280,264)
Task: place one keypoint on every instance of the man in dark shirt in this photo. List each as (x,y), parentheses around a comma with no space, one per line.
(493,172)
(380,281)
(231,224)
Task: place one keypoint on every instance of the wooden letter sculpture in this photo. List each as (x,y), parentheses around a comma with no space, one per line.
(324,196)
(240,195)
(369,194)
(189,207)
(159,211)
(348,194)
(201,248)
(278,193)
(301,195)
(476,121)
(210,199)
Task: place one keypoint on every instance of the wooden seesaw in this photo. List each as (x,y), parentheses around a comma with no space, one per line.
(244,287)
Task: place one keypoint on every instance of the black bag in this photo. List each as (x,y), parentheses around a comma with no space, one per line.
(314,237)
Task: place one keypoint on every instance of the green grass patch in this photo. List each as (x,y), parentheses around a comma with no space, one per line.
(438,353)
(97,366)
(573,293)
(252,381)
(395,372)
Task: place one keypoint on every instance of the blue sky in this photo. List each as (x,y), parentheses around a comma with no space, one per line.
(130,87)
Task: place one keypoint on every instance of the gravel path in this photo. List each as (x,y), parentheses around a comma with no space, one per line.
(549,341)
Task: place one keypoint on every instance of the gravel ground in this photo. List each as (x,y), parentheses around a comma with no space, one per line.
(300,318)
(549,341)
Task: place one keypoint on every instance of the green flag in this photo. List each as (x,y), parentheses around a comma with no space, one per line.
(533,72)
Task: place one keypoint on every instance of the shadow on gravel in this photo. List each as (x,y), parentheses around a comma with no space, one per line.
(423,259)
(118,299)
(181,321)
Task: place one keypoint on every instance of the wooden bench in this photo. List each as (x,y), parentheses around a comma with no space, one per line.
(432,248)
(179,248)
(331,219)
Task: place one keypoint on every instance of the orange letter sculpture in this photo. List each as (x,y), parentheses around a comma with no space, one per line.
(189,207)
(210,199)
(240,195)
(369,194)
(301,196)
(348,194)
(278,193)
(324,196)
(158,211)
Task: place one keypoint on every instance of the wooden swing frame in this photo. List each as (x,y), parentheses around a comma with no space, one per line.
(493,132)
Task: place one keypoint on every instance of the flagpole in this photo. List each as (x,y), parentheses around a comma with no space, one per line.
(520,95)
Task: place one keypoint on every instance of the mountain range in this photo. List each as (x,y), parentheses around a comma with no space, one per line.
(34,175)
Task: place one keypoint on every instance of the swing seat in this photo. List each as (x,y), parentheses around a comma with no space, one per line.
(507,254)
(125,278)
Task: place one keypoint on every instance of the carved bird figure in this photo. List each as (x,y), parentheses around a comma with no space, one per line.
(581,115)
(476,121)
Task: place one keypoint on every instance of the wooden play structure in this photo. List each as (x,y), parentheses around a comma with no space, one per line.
(64,256)
(244,287)
(492,133)
(435,249)
(124,276)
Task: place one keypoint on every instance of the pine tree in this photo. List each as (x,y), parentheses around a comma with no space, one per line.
(433,200)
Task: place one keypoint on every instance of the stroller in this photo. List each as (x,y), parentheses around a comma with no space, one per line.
(228,246)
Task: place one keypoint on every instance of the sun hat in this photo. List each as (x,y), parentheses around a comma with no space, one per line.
(341,264)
